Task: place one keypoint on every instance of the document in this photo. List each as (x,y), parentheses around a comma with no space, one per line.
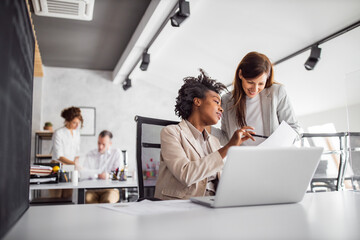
(284,136)
(147,207)
(42,180)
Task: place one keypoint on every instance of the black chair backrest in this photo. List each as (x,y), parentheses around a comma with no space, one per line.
(148,153)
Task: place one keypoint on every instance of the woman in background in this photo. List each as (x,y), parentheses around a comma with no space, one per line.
(256,101)
(66,144)
(66,140)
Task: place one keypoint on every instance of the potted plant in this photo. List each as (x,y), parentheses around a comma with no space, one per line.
(48,126)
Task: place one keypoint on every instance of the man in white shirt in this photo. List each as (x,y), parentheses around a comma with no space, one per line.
(98,164)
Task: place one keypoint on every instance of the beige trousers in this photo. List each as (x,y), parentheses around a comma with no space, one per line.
(102,196)
(66,194)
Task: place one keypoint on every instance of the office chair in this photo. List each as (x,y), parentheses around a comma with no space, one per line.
(148,154)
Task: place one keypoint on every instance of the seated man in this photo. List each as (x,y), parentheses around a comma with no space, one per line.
(191,159)
(98,164)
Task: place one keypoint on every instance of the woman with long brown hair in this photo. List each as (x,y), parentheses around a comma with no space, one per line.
(256,100)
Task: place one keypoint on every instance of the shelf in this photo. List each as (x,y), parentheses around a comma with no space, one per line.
(46,135)
(44,156)
(39,137)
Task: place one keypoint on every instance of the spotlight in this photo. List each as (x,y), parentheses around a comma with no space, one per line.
(176,20)
(313,59)
(182,14)
(127,84)
(145,61)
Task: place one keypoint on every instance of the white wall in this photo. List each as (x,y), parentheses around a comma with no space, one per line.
(345,119)
(36,111)
(115,108)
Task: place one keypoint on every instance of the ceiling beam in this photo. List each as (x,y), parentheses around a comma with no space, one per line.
(148,28)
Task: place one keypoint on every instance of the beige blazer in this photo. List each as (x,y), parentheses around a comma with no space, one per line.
(275,107)
(184,170)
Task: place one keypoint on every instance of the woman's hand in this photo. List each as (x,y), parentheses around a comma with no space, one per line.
(237,139)
(240,136)
(103,175)
(77,164)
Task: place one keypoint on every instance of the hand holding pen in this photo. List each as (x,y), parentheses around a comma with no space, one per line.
(244,134)
(237,139)
(256,135)
(260,136)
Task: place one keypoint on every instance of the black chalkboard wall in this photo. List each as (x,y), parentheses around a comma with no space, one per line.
(16,87)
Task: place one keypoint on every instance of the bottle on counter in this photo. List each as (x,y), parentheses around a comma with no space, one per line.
(124,171)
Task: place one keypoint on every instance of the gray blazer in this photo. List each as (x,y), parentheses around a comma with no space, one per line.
(184,170)
(275,107)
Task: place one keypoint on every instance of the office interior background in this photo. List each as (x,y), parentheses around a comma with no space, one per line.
(86,62)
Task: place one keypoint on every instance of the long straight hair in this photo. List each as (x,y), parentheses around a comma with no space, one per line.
(252,65)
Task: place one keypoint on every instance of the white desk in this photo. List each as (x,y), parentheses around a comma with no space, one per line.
(86,184)
(332,215)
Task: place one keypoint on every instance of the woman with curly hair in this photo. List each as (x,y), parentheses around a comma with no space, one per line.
(66,145)
(191,158)
(66,140)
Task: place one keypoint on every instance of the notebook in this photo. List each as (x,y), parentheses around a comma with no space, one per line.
(258,176)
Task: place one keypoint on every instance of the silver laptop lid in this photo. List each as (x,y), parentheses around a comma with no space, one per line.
(259,175)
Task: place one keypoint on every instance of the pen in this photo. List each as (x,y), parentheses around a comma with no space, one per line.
(260,136)
(66,179)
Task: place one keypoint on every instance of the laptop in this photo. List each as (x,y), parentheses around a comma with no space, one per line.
(261,175)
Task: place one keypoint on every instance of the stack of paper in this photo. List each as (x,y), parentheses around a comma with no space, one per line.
(147,207)
(43,180)
(40,170)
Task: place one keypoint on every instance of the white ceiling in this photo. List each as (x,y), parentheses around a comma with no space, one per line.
(219,33)
(327,86)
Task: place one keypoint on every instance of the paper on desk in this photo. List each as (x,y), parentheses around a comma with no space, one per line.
(284,136)
(147,207)
(42,180)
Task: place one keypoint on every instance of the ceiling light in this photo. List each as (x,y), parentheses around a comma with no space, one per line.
(313,58)
(127,84)
(145,61)
(182,14)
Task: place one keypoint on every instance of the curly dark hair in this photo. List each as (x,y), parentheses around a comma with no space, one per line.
(195,88)
(72,112)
